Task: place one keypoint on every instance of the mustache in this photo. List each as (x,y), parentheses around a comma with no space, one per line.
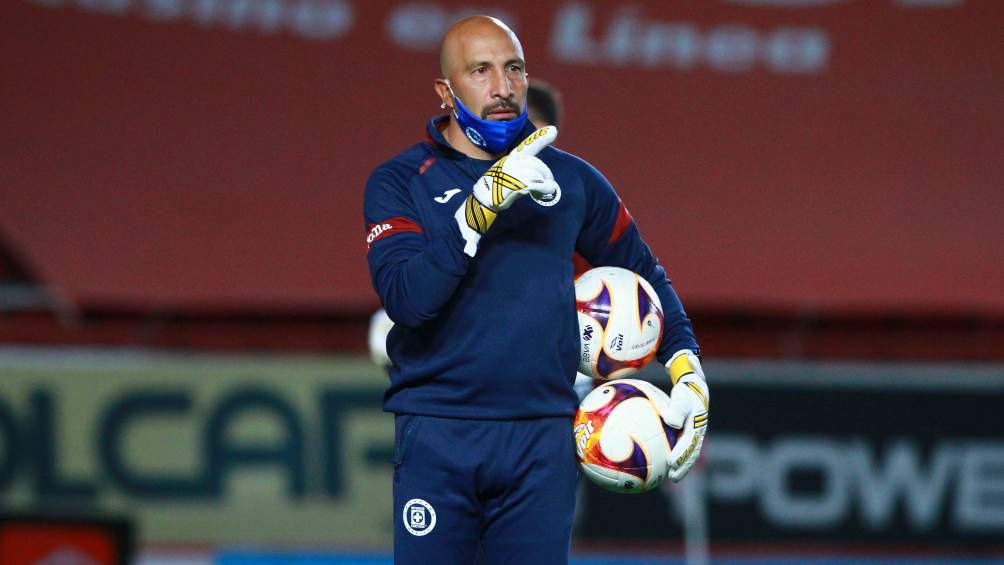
(507,105)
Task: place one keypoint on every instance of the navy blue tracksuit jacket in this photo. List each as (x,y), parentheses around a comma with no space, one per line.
(494,336)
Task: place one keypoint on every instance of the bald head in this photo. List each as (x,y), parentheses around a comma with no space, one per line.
(482,68)
(465,37)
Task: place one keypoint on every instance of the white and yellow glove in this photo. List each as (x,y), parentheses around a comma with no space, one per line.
(688,411)
(517,174)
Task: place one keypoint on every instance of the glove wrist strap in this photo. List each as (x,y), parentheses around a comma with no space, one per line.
(679,366)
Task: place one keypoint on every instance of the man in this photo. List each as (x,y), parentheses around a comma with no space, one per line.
(478,279)
(543,104)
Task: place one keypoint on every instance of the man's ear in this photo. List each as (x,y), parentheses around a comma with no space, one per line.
(442,88)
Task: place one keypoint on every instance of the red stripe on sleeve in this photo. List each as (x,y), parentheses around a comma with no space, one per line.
(623,222)
(425,166)
(386,228)
(580,264)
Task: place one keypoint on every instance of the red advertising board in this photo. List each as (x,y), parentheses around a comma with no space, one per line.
(38,540)
(836,155)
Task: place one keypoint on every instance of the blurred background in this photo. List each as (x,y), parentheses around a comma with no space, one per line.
(184,298)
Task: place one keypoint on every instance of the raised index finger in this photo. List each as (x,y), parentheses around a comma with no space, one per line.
(536,141)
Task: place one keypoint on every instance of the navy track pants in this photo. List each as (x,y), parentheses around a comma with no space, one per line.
(483,491)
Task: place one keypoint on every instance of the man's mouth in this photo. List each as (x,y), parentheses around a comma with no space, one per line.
(501,114)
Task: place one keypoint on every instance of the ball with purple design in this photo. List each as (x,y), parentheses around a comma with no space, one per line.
(621,439)
(620,322)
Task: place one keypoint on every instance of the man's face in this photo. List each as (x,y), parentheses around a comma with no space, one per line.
(489,75)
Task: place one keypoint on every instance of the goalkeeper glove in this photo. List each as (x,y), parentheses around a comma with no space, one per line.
(688,411)
(517,174)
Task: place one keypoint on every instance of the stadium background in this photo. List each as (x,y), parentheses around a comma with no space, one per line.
(184,297)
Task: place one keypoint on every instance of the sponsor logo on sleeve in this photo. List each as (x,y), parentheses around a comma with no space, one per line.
(398,224)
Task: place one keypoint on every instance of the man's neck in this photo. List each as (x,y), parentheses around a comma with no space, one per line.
(456,138)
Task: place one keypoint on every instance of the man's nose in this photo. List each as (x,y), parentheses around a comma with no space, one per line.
(501,86)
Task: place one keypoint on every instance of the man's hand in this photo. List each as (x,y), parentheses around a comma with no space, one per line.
(517,174)
(688,410)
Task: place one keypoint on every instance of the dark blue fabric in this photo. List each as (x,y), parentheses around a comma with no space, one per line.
(494,136)
(495,336)
(501,492)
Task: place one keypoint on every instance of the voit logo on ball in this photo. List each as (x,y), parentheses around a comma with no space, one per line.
(419,517)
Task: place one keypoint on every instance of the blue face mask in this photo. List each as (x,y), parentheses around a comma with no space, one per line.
(494,137)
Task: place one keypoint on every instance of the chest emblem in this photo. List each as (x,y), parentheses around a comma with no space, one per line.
(446,196)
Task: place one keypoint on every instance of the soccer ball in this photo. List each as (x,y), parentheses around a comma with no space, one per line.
(380,326)
(620,322)
(621,440)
